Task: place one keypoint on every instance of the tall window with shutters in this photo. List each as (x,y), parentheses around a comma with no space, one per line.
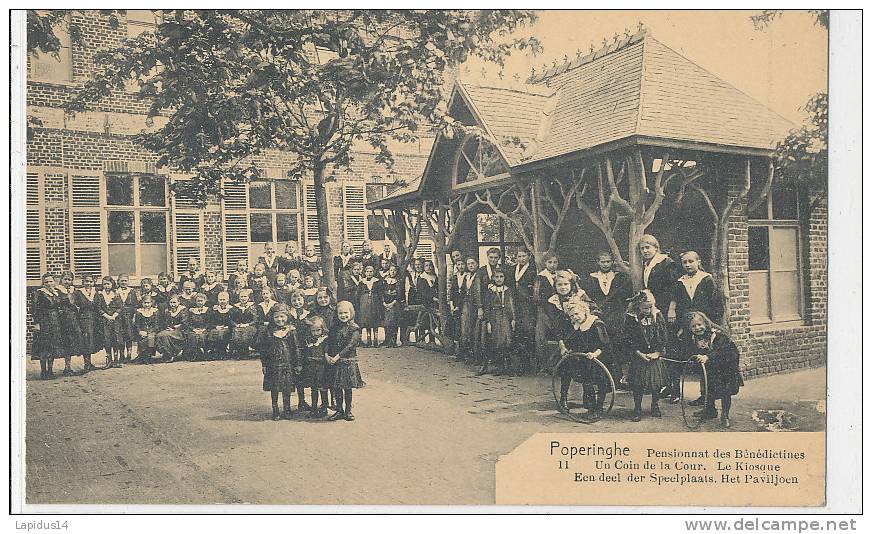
(375,223)
(354,214)
(35,255)
(774,265)
(136,210)
(311,214)
(258,213)
(87,215)
(187,233)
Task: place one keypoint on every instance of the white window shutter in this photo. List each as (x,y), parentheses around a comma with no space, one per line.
(88,239)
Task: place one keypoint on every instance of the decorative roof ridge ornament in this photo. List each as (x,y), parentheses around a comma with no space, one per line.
(618,43)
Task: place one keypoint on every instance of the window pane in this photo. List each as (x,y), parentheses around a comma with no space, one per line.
(287,227)
(153,259)
(259,195)
(261,227)
(120,227)
(758,248)
(153,227)
(784,257)
(122,259)
(152,190)
(375,192)
(119,190)
(376,227)
(784,203)
(488,227)
(785,295)
(286,194)
(759,289)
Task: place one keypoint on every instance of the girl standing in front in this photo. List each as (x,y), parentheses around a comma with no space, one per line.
(391,295)
(346,372)
(219,327)
(428,296)
(707,343)
(196,329)
(46,326)
(370,304)
(280,361)
(89,319)
(129,304)
(499,312)
(584,338)
(644,340)
(109,305)
(68,314)
(314,350)
(472,312)
(659,272)
(298,315)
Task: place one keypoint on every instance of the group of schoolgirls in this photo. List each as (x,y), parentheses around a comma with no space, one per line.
(646,349)
(384,300)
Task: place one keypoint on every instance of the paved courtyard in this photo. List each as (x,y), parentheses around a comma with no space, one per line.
(428,431)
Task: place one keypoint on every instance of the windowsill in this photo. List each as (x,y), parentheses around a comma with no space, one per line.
(777,326)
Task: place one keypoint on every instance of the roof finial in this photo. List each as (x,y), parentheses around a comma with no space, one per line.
(641,26)
(591,47)
(565,58)
(626,32)
(578,53)
(533,72)
(554,63)
(616,37)
(605,42)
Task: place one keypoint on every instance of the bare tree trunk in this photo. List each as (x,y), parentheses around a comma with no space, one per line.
(442,271)
(329,278)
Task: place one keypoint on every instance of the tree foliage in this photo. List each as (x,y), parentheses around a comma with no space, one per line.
(235,84)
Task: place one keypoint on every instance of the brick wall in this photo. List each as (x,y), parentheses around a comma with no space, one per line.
(767,349)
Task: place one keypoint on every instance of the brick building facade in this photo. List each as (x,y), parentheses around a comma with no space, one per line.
(96,203)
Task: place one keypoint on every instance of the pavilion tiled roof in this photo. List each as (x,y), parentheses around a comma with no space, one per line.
(635,86)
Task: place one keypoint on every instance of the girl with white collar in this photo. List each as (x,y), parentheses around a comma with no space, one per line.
(109,305)
(585,336)
(659,272)
(148,323)
(71,333)
(644,340)
(46,326)
(86,303)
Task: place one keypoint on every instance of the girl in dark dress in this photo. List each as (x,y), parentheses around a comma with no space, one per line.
(310,290)
(391,295)
(264,317)
(290,260)
(171,340)
(644,340)
(708,344)
(187,298)
(325,309)
(472,312)
(343,263)
(280,361)
(164,289)
(211,287)
(219,327)
(584,333)
(148,322)
(298,315)
(610,289)
(89,320)
(310,263)
(499,316)
(259,280)
(241,273)
(68,314)
(46,326)
(370,306)
(346,372)
(282,293)
(146,287)
(694,291)
(109,305)
(243,323)
(239,284)
(129,304)
(659,272)
(566,293)
(193,274)
(196,329)
(427,292)
(316,376)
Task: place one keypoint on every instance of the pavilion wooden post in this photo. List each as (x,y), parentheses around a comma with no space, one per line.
(537,199)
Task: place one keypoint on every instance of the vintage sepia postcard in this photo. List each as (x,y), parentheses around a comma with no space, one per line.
(423,257)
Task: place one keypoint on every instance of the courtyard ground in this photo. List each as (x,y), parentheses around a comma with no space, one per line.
(428,431)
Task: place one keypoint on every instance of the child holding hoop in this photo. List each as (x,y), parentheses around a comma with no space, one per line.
(585,336)
(645,337)
(707,343)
